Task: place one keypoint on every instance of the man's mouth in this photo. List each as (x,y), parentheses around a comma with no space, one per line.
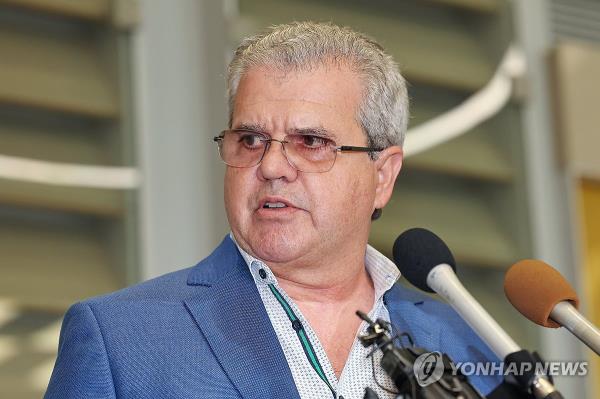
(276,208)
(274,205)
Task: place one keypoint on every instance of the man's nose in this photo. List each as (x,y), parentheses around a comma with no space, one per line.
(275,164)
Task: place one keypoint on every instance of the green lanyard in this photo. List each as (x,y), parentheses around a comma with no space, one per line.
(309,351)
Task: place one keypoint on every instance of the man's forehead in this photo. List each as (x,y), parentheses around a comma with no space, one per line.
(322,121)
(281,82)
(257,97)
(320,101)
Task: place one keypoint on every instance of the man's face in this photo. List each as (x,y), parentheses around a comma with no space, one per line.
(326,213)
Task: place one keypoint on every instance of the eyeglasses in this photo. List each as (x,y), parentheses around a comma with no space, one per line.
(307,153)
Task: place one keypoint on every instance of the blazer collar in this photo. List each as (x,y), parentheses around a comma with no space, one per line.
(230,313)
(414,313)
(224,260)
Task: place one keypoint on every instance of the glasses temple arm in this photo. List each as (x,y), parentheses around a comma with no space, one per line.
(358,149)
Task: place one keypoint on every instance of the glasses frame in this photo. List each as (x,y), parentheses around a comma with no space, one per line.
(342,148)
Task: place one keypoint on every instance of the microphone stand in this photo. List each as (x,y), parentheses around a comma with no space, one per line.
(398,362)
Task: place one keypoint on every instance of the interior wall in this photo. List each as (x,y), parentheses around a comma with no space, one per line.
(589,215)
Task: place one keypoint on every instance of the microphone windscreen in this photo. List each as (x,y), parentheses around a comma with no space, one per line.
(534,288)
(416,252)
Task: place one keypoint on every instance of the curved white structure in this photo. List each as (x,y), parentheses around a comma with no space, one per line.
(479,107)
(66,174)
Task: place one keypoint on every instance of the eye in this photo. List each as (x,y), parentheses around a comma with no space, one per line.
(251,140)
(311,141)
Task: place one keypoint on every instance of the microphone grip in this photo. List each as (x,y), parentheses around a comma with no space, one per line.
(566,315)
(443,280)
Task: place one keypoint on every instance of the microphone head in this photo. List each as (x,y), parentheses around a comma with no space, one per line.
(416,252)
(534,288)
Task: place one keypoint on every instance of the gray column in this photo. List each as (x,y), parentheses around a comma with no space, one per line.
(548,192)
(178,66)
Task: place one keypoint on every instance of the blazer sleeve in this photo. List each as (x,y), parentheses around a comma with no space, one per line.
(82,368)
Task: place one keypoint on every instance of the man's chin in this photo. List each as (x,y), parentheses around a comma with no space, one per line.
(277,249)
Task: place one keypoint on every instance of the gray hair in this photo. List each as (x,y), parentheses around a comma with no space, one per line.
(383,112)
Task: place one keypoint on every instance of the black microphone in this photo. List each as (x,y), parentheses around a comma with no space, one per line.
(427,263)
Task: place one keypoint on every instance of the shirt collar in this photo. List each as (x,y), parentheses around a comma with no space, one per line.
(383,271)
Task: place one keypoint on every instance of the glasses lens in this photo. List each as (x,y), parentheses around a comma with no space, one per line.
(307,153)
(241,148)
(310,153)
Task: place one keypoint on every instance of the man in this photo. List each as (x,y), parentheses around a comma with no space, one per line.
(317,119)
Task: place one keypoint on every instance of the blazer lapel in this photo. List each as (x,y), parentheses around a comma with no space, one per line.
(412,313)
(230,313)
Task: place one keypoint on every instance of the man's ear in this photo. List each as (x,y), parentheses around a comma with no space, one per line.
(388,166)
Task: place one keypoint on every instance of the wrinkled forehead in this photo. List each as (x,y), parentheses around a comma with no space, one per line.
(326,96)
(284,70)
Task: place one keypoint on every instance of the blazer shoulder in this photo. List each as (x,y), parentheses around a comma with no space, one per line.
(422,312)
(168,287)
(177,285)
(400,297)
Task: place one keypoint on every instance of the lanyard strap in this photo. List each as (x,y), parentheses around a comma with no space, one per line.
(309,351)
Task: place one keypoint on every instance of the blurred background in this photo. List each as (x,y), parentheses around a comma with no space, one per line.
(137,89)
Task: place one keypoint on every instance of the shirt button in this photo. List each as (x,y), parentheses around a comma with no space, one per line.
(262,273)
(297,325)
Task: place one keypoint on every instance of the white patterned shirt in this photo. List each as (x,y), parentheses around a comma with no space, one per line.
(358,372)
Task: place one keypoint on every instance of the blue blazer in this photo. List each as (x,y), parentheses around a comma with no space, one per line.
(203,332)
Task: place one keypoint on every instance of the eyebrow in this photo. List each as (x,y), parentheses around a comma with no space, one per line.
(252,127)
(312,131)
